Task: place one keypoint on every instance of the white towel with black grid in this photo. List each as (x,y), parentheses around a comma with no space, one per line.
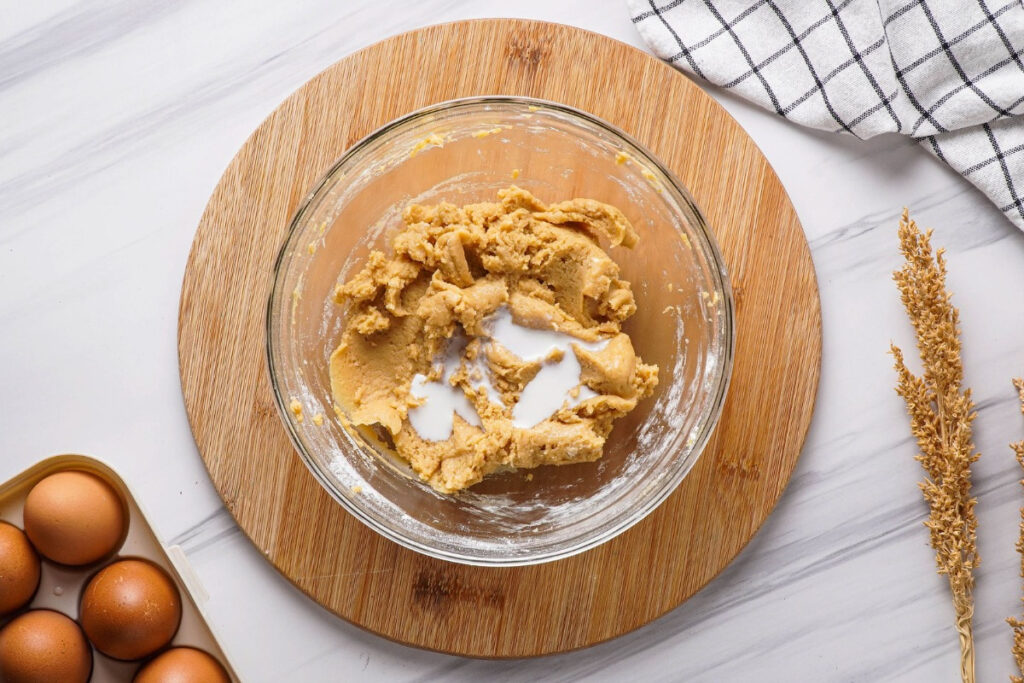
(947,72)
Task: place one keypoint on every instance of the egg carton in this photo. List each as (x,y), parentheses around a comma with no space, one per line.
(60,586)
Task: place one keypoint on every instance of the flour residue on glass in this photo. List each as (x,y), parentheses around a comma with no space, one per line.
(556,385)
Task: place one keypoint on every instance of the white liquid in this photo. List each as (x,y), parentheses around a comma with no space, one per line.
(434,419)
(557,384)
(553,386)
(549,391)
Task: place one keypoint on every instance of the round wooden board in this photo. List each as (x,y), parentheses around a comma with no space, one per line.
(522,611)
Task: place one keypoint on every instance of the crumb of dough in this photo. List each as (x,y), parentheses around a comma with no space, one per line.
(357,489)
(432,140)
(485,133)
(621,158)
(515,173)
(311,248)
(448,271)
(318,419)
(710,298)
(533,108)
(296,409)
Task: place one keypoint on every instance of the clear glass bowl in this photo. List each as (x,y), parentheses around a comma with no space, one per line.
(463,151)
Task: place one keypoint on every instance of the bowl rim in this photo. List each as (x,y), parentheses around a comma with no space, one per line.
(724,365)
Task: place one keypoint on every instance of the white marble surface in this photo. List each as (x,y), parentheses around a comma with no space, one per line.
(116,120)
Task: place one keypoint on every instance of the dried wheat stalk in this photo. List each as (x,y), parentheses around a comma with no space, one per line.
(1017,624)
(940,419)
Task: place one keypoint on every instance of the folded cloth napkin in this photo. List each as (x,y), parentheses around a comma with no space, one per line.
(947,72)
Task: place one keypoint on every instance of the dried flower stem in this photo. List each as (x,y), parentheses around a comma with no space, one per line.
(1017,624)
(940,419)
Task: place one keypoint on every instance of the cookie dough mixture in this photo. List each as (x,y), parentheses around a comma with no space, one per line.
(490,338)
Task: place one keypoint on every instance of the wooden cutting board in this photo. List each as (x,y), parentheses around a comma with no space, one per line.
(523,611)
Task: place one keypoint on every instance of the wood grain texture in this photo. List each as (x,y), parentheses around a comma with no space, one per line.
(520,611)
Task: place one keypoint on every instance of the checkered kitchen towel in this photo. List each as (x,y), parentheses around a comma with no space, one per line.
(948,72)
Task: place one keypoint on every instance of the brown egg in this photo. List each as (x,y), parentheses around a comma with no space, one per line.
(130,609)
(74,517)
(182,665)
(19,568)
(42,646)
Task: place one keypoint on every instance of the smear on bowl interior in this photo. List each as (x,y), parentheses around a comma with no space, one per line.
(490,338)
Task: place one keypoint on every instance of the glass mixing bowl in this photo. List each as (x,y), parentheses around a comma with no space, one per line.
(464,151)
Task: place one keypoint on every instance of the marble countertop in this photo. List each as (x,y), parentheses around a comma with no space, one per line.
(117,119)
